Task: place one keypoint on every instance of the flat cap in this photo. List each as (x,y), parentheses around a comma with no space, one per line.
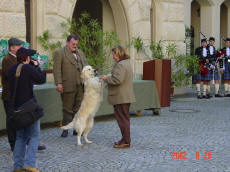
(14,41)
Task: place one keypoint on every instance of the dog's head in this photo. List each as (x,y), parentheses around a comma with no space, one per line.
(87,72)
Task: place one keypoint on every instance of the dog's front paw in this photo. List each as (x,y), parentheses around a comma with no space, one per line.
(80,144)
(89,142)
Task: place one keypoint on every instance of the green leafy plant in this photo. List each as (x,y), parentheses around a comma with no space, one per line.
(171,50)
(49,46)
(157,50)
(94,42)
(137,43)
(185,66)
(188,31)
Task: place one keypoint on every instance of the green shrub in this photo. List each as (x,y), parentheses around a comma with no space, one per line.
(94,42)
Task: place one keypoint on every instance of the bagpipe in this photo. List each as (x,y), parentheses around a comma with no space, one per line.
(203,66)
(211,65)
(223,58)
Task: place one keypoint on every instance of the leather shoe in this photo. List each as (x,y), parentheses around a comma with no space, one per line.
(30,169)
(199,97)
(218,95)
(209,96)
(123,145)
(117,143)
(18,170)
(74,133)
(41,147)
(64,133)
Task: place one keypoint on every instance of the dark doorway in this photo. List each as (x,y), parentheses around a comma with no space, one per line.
(28,21)
(93,7)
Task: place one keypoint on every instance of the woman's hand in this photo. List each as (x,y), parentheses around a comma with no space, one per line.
(104,77)
(35,63)
(59,88)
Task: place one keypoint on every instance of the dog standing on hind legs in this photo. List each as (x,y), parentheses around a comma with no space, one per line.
(84,119)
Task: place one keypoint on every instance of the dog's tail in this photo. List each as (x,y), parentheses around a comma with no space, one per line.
(68,126)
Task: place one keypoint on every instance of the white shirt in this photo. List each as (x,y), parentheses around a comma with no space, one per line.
(227,51)
(75,55)
(211,49)
(204,52)
(12,54)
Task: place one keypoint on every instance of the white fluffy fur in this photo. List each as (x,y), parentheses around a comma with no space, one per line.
(93,95)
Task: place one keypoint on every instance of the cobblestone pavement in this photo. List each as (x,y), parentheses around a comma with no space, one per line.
(188,125)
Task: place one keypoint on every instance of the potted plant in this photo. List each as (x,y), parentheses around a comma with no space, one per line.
(159,69)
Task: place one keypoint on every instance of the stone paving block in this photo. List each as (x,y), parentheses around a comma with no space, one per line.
(154,141)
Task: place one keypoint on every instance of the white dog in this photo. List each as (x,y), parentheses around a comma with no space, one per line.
(93,96)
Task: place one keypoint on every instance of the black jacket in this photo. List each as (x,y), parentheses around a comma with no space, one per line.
(199,53)
(212,58)
(29,76)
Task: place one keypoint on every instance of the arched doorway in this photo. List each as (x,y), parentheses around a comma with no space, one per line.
(195,24)
(110,13)
(223,23)
(94,8)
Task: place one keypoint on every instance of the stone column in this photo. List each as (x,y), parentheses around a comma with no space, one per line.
(187,14)
(37,22)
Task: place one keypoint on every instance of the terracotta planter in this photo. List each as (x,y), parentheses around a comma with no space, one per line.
(160,71)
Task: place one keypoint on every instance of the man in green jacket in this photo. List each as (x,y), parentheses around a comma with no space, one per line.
(68,64)
(9,60)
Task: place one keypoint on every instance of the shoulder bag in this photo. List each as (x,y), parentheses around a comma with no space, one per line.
(27,113)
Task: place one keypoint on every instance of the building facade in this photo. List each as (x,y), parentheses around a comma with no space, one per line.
(210,17)
(149,19)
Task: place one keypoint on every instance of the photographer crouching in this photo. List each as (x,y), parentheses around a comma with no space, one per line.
(22,77)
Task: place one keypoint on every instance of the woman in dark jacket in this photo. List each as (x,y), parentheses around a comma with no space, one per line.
(25,158)
(120,93)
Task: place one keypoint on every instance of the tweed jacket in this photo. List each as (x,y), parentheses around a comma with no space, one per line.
(120,84)
(7,62)
(67,69)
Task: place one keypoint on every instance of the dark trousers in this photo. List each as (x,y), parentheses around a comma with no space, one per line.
(9,127)
(71,102)
(122,116)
